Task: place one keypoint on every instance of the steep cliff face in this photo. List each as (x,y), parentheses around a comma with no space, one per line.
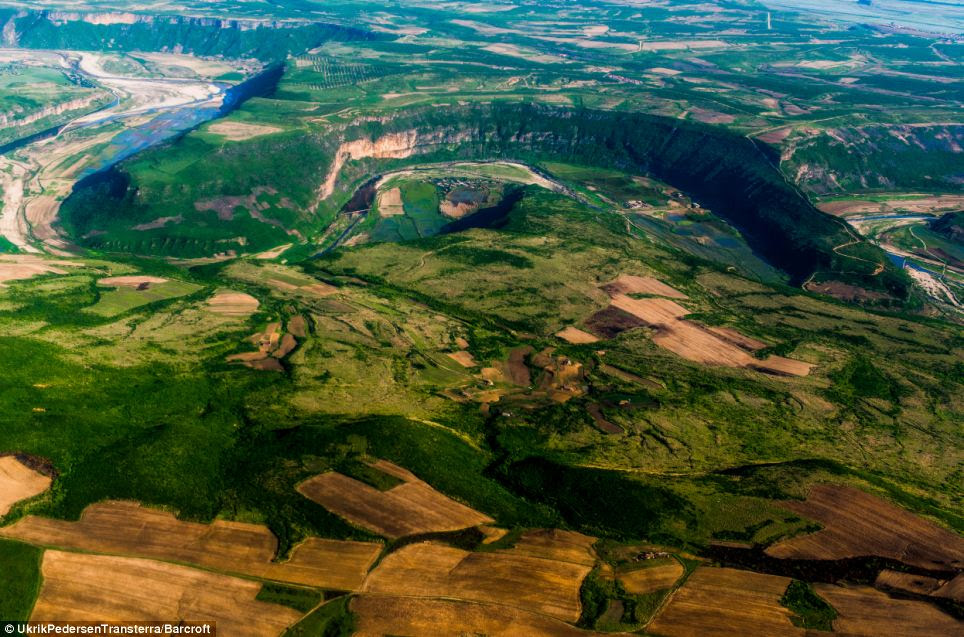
(123,31)
(723,171)
(317,171)
(879,157)
(21,118)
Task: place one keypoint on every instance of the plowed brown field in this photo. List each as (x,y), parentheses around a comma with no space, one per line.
(652,578)
(953,589)
(387,615)
(130,281)
(631,284)
(576,336)
(18,482)
(463,358)
(426,569)
(908,582)
(857,523)
(233,304)
(15,267)
(410,508)
(652,311)
(124,528)
(738,339)
(98,588)
(556,544)
(724,602)
(862,610)
(240,131)
(708,346)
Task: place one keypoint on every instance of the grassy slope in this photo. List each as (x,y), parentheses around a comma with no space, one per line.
(20,584)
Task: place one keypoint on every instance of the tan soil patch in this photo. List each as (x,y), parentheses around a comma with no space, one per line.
(631,284)
(410,508)
(652,578)
(781,366)
(456,210)
(98,588)
(652,311)
(318,289)
(390,203)
(240,131)
(953,589)
(246,357)
(493,375)
(692,342)
(233,304)
(463,358)
(727,602)
(906,582)
(125,528)
(272,344)
(738,339)
(492,533)
(576,336)
(26,266)
(922,204)
(18,482)
(861,610)
(516,367)
(273,253)
(858,524)
(298,325)
(502,577)
(461,342)
(130,281)
(663,71)
(285,346)
(696,343)
(311,289)
(557,545)
(380,615)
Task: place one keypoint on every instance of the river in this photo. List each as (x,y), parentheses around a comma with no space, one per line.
(39,171)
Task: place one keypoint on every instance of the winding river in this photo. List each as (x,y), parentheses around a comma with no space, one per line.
(38,171)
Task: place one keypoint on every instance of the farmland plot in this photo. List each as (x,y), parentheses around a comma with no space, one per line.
(863,610)
(857,523)
(124,528)
(511,578)
(726,602)
(18,482)
(99,588)
(386,615)
(410,508)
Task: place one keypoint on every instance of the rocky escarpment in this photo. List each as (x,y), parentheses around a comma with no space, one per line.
(25,118)
(124,31)
(889,157)
(723,171)
(319,170)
